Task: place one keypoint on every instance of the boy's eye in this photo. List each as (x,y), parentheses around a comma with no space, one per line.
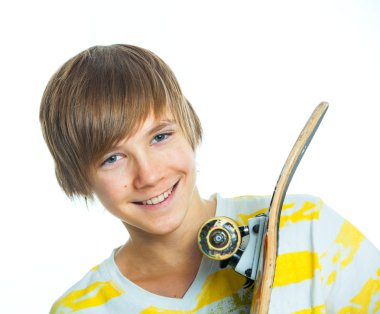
(160,137)
(112,159)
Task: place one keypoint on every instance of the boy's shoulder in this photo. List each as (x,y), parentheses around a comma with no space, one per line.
(264,200)
(244,207)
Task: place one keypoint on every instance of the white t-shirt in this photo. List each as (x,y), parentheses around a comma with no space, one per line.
(325,265)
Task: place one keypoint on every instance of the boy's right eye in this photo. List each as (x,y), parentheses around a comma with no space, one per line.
(111,159)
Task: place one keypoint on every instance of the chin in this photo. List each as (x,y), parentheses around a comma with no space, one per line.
(166,227)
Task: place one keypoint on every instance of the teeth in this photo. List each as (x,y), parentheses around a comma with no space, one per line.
(158,199)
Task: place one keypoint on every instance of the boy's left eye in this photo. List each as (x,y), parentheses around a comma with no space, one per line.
(160,137)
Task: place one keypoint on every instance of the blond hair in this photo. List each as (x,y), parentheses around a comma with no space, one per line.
(99,97)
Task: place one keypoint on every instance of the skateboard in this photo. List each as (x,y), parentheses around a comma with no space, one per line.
(220,238)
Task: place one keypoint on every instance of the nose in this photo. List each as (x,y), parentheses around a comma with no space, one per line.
(148,171)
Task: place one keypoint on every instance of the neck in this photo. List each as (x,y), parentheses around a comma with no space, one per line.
(146,254)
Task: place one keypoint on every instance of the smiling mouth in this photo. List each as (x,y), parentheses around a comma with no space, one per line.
(159,198)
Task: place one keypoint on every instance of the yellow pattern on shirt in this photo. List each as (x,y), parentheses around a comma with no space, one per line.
(295,267)
(308,211)
(350,238)
(320,309)
(96,294)
(244,218)
(343,250)
(367,298)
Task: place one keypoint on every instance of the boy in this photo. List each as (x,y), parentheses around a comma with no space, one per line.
(119,128)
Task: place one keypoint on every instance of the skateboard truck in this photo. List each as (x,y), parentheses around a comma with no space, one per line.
(252,255)
(220,238)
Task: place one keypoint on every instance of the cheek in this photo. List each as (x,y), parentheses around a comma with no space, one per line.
(184,160)
(111,190)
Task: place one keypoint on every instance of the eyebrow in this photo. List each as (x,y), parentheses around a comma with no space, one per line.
(161,125)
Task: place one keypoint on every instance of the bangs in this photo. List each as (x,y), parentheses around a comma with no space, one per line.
(117,96)
(117,101)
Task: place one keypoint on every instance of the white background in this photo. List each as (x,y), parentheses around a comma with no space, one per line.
(254,71)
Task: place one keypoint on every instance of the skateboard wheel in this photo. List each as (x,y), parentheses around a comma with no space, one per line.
(219,238)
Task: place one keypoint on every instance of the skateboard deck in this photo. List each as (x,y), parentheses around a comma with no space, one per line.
(220,237)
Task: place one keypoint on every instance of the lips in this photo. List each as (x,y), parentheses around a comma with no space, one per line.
(159,198)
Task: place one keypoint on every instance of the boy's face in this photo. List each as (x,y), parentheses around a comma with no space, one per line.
(148,179)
